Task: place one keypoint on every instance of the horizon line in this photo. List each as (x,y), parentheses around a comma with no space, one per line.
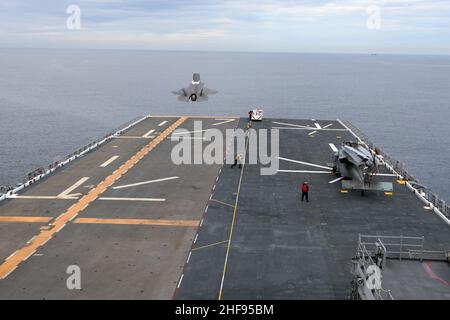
(225,51)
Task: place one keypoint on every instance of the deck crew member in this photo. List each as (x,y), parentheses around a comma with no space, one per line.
(305,191)
(250,115)
(237,160)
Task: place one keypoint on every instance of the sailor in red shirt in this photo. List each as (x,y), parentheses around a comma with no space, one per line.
(305,191)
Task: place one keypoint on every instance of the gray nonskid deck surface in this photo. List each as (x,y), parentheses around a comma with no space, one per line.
(280,248)
(117,261)
(426,280)
(285,249)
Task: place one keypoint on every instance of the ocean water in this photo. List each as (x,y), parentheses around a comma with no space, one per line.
(54,101)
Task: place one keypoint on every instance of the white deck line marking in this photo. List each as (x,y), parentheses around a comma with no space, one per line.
(304,171)
(336,180)
(31,240)
(11,255)
(327,126)
(293,125)
(178,138)
(306,163)
(108,162)
(66,193)
(43,197)
(181,279)
(317,125)
(311,133)
(28,256)
(333,147)
(180,133)
(132,199)
(148,133)
(6,275)
(189,257)
(45,241)
(309,128)
(223,122)
(196,237)
(131,137)
(162,123)
(144,183)
(59,217)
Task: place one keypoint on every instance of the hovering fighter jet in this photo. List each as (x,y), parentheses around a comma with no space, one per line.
(195,92)
(358,167)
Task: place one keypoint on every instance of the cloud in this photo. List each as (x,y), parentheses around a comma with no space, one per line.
(274,25)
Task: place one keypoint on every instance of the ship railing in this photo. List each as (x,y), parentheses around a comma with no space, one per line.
(397,247)
(384,294)
(41,173)
(373,250)
(364,260)
(425,194)
(429,255)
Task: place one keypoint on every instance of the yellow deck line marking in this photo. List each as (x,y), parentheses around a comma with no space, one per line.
(151,222)
(388,193)
(24,219)
(232,225)
(209,245)
(344,191)
(225,204)
(45,235)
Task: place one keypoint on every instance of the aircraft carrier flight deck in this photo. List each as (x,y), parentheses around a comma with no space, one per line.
(139,226)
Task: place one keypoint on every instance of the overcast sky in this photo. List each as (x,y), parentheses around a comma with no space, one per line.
(405,26)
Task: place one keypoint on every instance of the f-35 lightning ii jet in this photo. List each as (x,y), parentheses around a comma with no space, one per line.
(195,92)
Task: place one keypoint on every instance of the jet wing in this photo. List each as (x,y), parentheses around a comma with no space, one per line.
(181,92)
(202,98)
(207,91)
(183,98)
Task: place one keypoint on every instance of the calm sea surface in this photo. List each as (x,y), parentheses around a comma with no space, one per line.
(54,101)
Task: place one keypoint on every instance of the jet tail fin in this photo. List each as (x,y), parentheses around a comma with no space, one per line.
(196,77)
